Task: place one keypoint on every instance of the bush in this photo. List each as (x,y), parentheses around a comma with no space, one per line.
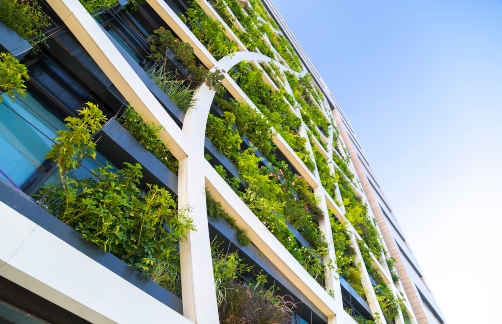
(12,76)
(141,228)
(26,18)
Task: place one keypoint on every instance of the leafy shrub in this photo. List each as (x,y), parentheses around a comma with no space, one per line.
(141,228)
(26,18)
(209,31)
(12,76)
(148,136)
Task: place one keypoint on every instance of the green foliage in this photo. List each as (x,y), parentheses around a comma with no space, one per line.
(343,165)
(176,90)
(311,114)
(274,107)
(270,194)
(255,29)
(357,213)
(345,256)
(12,76)
(328,179)
(26,18)
(393,272)
(74,144)
(389,304)
(192,73)
(222,134)
(148,135)
(242,302)
(252,36)
(214,209)
(251,123)
(109,209)
(132,5)
(209,31)
(95,6)
(283,47)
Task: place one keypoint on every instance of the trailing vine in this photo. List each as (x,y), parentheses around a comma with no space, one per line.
(389,304)
(393,272)
(328,179)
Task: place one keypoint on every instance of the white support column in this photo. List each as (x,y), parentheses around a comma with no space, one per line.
(197,280)
(367,285)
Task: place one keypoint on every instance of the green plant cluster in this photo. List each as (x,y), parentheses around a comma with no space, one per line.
(191,73)
(252,36)
(393,272)
(214,209)
(328,179)
(273,194)
(148,136)
(283,47)
(260,10)
(357,214)
(273,105)
(272,74)
(345,256)
(12,76)
(141,228)
(311,114)
(209,31)
(343,164)
(26,18)
(389,304)
(256,28)
(241,301)
(95,6)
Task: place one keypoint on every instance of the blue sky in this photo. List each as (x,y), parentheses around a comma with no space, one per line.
(421,82)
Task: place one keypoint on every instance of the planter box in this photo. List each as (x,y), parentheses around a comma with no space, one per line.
(25,205)
(164,100)
(354,300)
(252,256)
(118,146)
(10,41)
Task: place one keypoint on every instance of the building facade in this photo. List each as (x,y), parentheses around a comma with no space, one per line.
(245,197)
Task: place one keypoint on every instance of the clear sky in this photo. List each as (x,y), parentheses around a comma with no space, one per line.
(421,82)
